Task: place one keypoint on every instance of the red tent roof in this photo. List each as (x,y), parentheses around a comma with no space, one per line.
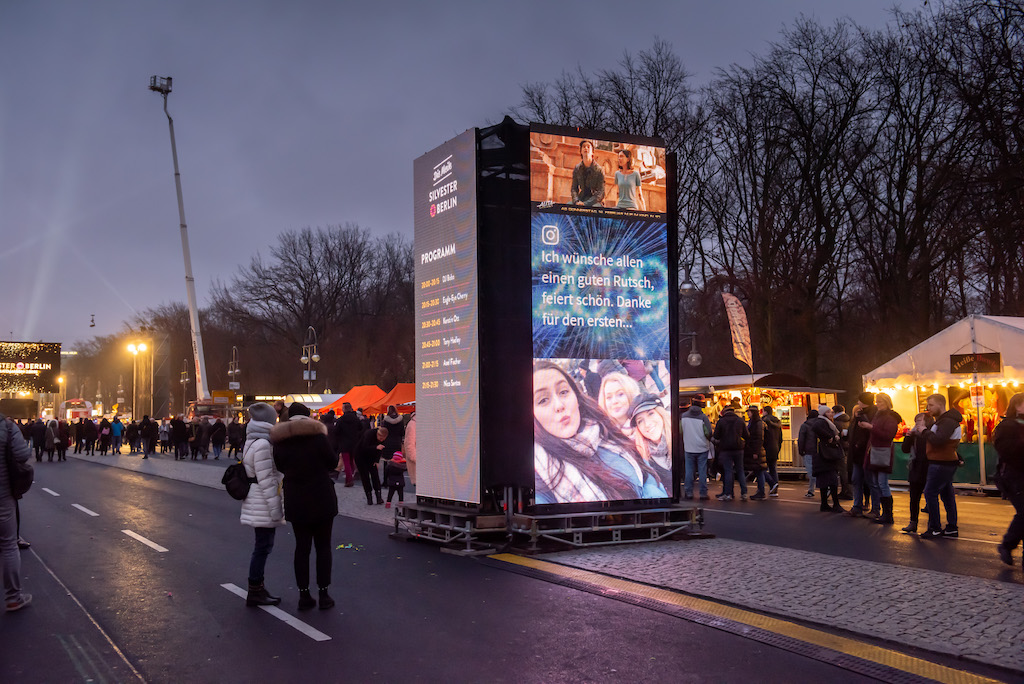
(403,393)
(359,396)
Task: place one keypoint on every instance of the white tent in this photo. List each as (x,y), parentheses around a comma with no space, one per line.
(928,363)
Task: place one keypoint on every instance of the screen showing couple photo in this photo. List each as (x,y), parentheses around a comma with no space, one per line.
(602,430)
(589,172)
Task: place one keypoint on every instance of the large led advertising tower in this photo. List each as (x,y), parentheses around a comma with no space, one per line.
(545,259)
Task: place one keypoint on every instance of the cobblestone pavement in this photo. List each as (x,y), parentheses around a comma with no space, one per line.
(976,619)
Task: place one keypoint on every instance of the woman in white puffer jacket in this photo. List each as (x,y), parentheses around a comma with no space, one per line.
(263,508)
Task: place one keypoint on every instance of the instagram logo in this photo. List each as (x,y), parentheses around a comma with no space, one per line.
(549,235)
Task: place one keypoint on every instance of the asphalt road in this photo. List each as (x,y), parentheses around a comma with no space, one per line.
(109,607)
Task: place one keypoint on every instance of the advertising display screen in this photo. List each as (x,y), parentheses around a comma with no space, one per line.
(601,329)
(29,366)
(446,301)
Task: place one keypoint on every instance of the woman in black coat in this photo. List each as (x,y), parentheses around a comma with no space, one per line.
(915,444)
(304,456)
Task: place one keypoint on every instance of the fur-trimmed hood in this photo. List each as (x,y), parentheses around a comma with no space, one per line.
(297,426)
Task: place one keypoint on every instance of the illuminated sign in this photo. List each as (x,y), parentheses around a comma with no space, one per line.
(29,366)
(446,320)
(601,343)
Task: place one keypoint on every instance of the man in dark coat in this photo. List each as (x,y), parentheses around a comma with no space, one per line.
(729,438)
(39,438)
(863,412)
(772,447)
(179,437)
(754,459)
(347,430)
(367,454)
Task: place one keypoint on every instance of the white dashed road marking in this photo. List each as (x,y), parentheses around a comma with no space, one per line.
(314,634)
(50,492)
(85,510)
(139,537)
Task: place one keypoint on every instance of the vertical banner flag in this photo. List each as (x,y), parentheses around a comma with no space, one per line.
(740,331)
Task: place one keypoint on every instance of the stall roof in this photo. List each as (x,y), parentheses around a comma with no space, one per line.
(779,381)
(928,363)
(402,395)
(359,396)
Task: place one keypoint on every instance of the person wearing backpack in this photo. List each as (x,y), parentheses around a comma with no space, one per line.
(10,556)
(262,508)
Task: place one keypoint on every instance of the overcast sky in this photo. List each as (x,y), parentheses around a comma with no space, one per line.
(287,115)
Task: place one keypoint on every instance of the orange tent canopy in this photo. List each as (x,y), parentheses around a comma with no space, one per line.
(359,396)
(403,393)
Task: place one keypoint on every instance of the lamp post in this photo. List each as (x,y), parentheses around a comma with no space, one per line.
(686,288)
(136,348)
(233,370)
(184,385)
(309,357)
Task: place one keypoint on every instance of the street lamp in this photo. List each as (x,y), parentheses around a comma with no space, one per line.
(136,348)
(308,358)
(233,370)
(184,385)
(693,358)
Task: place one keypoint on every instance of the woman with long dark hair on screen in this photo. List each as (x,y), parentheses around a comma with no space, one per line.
(627,180)
(579,454)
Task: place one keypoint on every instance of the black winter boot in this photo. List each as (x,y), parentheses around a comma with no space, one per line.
(380,499)
(886,517)
(369,499)
(326,602)
(259,596)
(305,600)
(824,499)
(911,527)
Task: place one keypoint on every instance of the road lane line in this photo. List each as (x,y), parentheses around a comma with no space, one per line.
(139,537)
(50,492)
(295,623)
(85,510)
(114,647)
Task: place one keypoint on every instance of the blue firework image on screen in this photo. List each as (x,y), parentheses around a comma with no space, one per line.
(600,287)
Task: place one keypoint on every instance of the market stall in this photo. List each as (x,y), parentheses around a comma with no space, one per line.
(977,364)
(790,397)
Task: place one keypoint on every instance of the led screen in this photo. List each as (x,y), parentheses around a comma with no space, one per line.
(447,351)
(601,378)
(29,366)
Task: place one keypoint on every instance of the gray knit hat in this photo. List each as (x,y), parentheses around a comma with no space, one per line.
(262,412)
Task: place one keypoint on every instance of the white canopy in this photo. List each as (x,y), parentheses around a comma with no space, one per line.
(929,364)
(312,401)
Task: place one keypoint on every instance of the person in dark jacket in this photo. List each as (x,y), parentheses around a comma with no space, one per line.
(863,411)
(1008,438)
(218,436)
(78,435)
(10,556)
(807,445)
(303,455)
(236,437)
(105,437)
(131,433)
(916,444)
(63,434)
(827,456)
(367,453)
(754,458)
(347,431)
(729,437)
(179,436)
(91,433)
(772,447)
(146,434)
(38,432)
(841,419)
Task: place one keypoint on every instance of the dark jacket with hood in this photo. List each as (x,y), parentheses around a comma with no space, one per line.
(754,458)
(347,430)
(730,431)
(303,456)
